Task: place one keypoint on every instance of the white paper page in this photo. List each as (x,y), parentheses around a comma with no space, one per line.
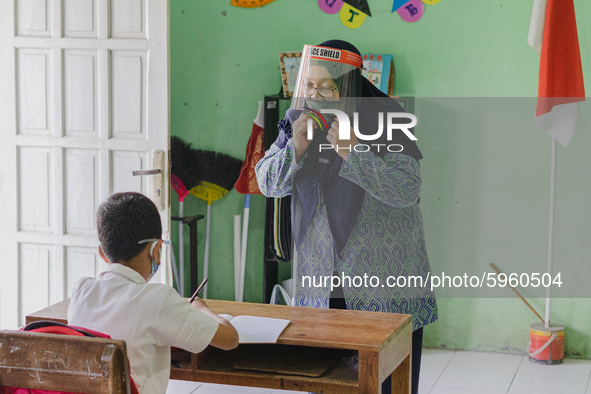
(227,317)
(255,329)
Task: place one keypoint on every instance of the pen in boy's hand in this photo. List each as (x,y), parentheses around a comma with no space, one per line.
(198,290)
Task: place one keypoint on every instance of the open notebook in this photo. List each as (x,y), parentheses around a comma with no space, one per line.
(256,329)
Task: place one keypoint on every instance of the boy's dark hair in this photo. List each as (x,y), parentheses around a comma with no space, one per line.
(122,221)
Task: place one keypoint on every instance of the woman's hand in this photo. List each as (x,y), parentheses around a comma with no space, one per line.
(342,147)
(300,134)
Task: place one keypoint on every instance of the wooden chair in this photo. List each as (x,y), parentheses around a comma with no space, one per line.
(63,363)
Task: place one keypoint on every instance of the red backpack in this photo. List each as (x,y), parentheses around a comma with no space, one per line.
(52,327)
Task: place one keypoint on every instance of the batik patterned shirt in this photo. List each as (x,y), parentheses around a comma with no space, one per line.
(387,242)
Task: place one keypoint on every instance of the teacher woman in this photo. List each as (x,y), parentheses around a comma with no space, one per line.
(355,209)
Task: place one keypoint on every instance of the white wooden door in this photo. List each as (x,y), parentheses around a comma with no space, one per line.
(84,101)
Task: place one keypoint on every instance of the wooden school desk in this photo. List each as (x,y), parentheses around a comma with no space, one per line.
(382,342)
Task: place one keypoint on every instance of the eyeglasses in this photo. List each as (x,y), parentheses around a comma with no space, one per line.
(324,91)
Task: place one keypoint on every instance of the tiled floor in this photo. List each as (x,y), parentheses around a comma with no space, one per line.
(449,372)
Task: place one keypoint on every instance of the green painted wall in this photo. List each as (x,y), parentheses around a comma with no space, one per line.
(485,188)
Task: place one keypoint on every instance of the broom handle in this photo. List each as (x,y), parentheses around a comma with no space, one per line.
(206,256)
(244,242)
(181,251)
(175,270)
(516,292)
(237,221)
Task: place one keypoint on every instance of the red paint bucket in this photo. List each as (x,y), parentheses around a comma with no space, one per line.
(546,344)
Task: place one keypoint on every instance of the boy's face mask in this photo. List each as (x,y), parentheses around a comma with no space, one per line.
(154,265)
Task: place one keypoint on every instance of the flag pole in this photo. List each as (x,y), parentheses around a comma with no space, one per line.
(551,231)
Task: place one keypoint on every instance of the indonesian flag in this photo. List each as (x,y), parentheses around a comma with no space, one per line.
(553,33)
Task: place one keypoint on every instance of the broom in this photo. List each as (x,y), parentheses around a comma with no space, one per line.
(183,178)
(217,173)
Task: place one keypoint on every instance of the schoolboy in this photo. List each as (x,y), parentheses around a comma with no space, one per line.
(149,317)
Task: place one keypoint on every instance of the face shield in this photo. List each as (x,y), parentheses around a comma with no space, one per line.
(327,79)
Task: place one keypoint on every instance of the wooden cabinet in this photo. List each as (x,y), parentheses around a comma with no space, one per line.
(275,107)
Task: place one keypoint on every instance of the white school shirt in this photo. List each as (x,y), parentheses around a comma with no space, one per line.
(150,318)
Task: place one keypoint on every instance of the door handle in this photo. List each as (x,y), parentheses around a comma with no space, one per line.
(158,191)
(147,172)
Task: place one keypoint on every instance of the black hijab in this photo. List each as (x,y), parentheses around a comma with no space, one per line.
(320,171)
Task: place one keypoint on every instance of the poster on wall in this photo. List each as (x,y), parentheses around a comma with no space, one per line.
(289,63)
(379,70)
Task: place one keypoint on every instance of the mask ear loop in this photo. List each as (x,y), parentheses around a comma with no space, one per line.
(154,243)
(154,265)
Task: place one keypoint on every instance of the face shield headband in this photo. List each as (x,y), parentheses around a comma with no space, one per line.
(328,78)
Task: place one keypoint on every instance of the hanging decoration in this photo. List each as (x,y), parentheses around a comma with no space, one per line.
(353,13)
(250,3)
(330,6)
(360,5)
(351,16)
(397,4)
(412,11)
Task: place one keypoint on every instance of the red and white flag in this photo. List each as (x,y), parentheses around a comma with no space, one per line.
(553,33)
